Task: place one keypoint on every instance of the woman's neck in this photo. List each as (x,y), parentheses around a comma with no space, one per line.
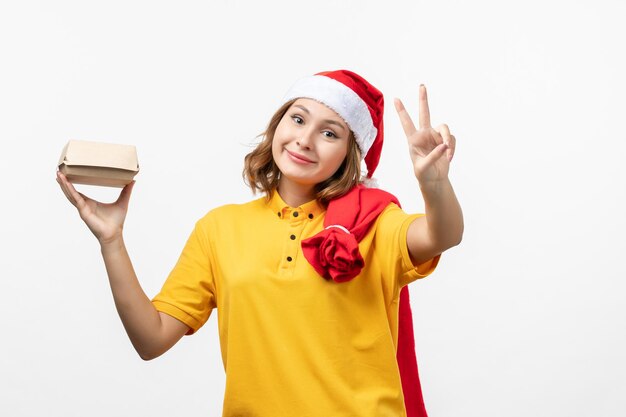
(295,194)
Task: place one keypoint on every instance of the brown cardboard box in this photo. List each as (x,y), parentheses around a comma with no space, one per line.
(98,163)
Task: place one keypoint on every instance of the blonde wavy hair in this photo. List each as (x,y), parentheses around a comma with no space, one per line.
(261,173)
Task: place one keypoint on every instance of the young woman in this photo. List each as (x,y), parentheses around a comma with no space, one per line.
(310,281)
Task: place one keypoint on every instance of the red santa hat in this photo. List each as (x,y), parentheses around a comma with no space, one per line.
(359,104)
(334,252)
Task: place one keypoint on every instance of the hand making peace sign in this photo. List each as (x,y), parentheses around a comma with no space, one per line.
(427,145)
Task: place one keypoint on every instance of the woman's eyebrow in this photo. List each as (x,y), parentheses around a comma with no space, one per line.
(329,121)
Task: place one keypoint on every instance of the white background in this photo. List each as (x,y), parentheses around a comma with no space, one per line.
(525,318)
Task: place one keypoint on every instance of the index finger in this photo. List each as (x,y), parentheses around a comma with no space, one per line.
(70,192)
(405,119)
(424,110)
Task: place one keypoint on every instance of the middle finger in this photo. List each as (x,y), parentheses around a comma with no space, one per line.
(424,110)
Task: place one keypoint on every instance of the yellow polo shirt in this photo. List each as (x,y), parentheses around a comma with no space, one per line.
(293,343)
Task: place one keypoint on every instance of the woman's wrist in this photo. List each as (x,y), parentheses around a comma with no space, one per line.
(434,186)
(112,245)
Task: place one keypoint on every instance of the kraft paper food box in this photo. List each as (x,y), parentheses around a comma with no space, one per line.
(99,163)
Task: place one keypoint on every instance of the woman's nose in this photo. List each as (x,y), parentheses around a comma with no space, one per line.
(305,139)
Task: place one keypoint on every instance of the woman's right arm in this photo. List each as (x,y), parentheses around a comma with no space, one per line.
(151,332)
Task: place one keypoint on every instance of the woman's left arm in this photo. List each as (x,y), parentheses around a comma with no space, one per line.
(431,151)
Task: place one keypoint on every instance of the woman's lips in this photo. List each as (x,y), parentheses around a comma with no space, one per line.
(301,159)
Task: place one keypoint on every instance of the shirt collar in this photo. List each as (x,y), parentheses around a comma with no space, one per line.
(310,209)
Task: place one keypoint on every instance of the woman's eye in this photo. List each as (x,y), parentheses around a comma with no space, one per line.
(297,119)
(329,134)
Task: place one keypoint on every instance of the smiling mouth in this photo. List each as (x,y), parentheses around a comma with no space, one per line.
(299,158)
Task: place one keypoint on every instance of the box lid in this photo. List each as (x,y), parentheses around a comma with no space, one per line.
(100,154)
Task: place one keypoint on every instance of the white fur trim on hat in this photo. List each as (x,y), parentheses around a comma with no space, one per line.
(343,100)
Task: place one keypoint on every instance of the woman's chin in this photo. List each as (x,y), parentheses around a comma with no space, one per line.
(303,180)
(299,176)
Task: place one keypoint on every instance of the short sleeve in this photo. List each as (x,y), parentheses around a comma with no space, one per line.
(392,251)
(188,294)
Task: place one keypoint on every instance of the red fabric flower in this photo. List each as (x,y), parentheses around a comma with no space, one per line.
(334,254)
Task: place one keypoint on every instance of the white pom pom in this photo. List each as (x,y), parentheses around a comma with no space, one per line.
(370,182)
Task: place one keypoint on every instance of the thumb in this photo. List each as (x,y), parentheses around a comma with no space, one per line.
(125,194)
(435,154)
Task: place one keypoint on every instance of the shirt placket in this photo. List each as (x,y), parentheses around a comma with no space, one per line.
(296,219)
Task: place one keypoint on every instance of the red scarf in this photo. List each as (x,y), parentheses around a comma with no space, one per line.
(334,253)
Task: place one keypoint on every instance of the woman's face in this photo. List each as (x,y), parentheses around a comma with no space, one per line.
(310,142)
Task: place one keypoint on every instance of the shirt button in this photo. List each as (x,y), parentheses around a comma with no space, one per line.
(310,215)
(293,237)
(295,214)
(289,258)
